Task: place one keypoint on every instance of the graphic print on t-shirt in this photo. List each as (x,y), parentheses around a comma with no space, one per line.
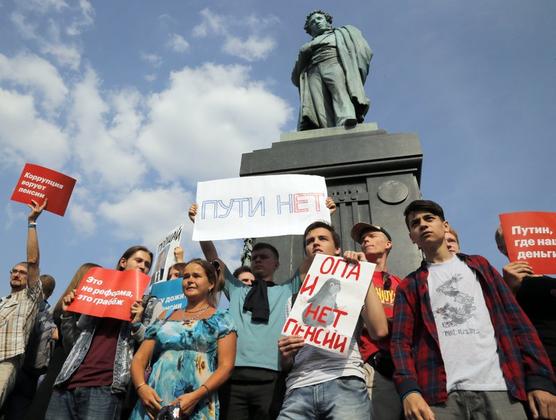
(465,333)
(460,307)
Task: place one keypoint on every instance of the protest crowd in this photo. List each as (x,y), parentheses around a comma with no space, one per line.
(454,339)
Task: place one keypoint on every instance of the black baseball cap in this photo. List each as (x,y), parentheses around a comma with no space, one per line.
(360,228)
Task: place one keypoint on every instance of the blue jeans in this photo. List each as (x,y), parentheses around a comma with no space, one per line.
(341,398)
(93,403)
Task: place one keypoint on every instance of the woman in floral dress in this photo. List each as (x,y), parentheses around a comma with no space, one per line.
(192,352)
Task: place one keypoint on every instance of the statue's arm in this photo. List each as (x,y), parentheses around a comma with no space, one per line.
(303,60)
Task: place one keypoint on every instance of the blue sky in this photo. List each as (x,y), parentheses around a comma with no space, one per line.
(140,100)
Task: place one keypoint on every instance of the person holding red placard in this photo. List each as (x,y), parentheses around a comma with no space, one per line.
(536,294)
(196,349)
(94,378)
(19,309)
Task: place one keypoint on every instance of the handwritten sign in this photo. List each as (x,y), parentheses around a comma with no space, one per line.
(258,206)
(37,183)
(170,293)
(531,236)
(329,302)
(165,254)
(109,293)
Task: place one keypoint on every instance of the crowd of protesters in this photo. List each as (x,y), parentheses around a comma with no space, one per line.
(452,340)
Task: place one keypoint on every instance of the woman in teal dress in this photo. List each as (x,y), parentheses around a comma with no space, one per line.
(192,352)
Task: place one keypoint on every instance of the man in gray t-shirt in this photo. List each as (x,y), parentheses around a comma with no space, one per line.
(321,384)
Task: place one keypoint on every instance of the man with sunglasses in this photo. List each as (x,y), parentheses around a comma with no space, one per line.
(18,310)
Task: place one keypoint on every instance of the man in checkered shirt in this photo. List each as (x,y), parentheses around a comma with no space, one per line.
(18,310)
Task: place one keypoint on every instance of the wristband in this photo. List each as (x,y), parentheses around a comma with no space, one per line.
(206,387)
(137,387)
(32,225)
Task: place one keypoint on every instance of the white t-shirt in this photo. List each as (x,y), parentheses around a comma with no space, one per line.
(465,333)
(313,366)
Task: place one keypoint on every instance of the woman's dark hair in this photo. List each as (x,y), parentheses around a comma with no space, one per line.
(179,267)
(242,269)
(214,277)
(129,253)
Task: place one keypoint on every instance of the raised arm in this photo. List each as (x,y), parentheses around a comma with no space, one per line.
(208,248)
(373,311)
(179,254)
(33,243)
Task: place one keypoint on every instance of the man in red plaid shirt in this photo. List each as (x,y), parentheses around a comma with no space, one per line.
(462,347)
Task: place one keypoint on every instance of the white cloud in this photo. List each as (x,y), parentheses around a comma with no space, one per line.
(67,54)
(251,49)
(150,77)
(199,127)
(25,136)
(127,116)
(153,59)
(82,219)
(31,71)
(148,215)
(12,214)
(49,23)
(25,29)
(178,43)
(85,18)
(253,46)
(42,6)
(104,147)
(211,23)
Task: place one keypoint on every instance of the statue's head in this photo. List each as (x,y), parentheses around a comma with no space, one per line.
(318,22)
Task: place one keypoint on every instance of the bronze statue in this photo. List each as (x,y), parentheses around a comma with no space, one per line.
(330,72)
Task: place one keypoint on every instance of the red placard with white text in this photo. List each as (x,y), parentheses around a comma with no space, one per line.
(108,293)
(531,236)
(37,183)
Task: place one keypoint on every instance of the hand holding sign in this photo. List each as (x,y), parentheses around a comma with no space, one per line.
(107,293)
(258,206)
(531,237)
(37,183)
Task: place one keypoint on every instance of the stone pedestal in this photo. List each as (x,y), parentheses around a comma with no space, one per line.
(370,174)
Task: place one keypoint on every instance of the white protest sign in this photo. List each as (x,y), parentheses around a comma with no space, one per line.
(165,254)
(257,206)
(329,302)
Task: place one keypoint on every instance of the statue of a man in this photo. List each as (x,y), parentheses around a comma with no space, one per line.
(330,72)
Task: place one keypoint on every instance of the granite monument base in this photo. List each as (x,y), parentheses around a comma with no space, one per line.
(371,175)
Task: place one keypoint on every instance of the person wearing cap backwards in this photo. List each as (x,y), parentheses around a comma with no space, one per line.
(376,244)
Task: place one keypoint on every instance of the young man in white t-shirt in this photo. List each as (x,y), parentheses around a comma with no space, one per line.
(321,384)
(461,345)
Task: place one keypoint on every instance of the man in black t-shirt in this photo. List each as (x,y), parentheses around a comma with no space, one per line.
(536,295)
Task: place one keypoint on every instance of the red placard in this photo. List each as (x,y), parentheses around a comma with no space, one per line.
(531,236)
(37,183)
(109,293)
